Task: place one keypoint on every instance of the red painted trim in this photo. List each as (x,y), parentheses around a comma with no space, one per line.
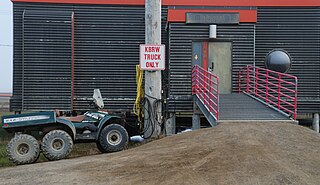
(189,2)
(205,55)
(180,15)
(72,61)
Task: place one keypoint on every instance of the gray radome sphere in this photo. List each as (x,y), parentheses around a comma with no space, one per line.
(278,60)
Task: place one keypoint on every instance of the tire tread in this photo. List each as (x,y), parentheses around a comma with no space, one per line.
(46,148)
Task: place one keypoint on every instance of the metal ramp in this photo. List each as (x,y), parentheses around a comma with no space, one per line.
(263,96)
(243,107)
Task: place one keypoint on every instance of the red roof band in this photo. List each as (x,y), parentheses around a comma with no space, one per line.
(189,2)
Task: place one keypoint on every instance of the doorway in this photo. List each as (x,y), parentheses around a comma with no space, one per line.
(219,63)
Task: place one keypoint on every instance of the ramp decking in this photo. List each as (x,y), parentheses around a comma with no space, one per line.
(242,107)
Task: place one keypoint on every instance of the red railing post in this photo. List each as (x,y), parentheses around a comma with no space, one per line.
(295,98)
(256,81)
(211,91)
(267,86)
(239,80)
(248,78)
(198,80)
(279,90)
(275,90)
(218,97)
(205,86)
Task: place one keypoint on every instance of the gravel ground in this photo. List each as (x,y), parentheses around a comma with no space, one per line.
(231,153)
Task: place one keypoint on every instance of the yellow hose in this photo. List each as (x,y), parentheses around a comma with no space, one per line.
(137,108)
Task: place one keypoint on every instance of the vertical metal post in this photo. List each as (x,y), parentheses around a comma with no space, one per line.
(72,60)
(211,92)
(197,80)
(205,87)
(279,90)
(218,99)
(153,85)
(247,80)
(23,63)
(295,98)
(239,81)
(267,86)
(257,81)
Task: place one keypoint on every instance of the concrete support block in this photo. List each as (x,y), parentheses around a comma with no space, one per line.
(170,125)
(315,124)
(195,121)
(196,117)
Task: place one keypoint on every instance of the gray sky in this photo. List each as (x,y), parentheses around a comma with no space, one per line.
(6,40)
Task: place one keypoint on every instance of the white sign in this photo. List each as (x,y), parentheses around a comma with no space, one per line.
(27,118)
(152,57)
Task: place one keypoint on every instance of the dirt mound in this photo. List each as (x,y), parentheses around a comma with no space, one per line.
(255,153)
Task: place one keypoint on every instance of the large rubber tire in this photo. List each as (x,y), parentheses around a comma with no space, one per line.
(56,145)
(23,149)
(100,147)
(113,138)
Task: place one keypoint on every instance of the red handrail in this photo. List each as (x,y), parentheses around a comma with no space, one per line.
(206,86)
(279,90)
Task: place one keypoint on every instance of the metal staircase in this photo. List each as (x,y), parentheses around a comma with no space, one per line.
(263,95)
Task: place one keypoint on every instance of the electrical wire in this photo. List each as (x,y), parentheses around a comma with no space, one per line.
(145,122)
(137,107)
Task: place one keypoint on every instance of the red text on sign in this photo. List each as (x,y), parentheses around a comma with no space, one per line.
(152,64)
(152,56)
(152,49)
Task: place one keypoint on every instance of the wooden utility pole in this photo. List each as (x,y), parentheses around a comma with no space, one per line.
(152,78)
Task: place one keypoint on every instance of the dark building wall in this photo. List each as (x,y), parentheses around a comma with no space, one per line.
(106,50)
(107,42)
(296,30)
(42,57)
(182,35)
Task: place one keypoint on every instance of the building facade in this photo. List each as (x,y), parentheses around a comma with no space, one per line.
(63,49)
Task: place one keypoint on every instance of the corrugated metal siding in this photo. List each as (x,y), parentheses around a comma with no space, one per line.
(16,99)
(42,58)
(107,40)
(296,30)
(107,43)
(180,51)
(46,61)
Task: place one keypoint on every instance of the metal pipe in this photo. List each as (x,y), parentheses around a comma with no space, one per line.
(72,61)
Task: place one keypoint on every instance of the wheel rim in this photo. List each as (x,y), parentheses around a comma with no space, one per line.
(114,137)
(57,144)
(23,149)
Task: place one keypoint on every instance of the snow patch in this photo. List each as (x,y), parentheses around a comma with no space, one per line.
(186,130)
(137,139)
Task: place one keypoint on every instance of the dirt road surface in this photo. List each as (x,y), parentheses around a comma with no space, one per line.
(248,154)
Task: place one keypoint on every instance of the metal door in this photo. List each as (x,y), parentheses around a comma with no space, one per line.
(220,64)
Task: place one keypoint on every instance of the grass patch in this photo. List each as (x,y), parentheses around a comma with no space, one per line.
(4,161)
(4,136)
